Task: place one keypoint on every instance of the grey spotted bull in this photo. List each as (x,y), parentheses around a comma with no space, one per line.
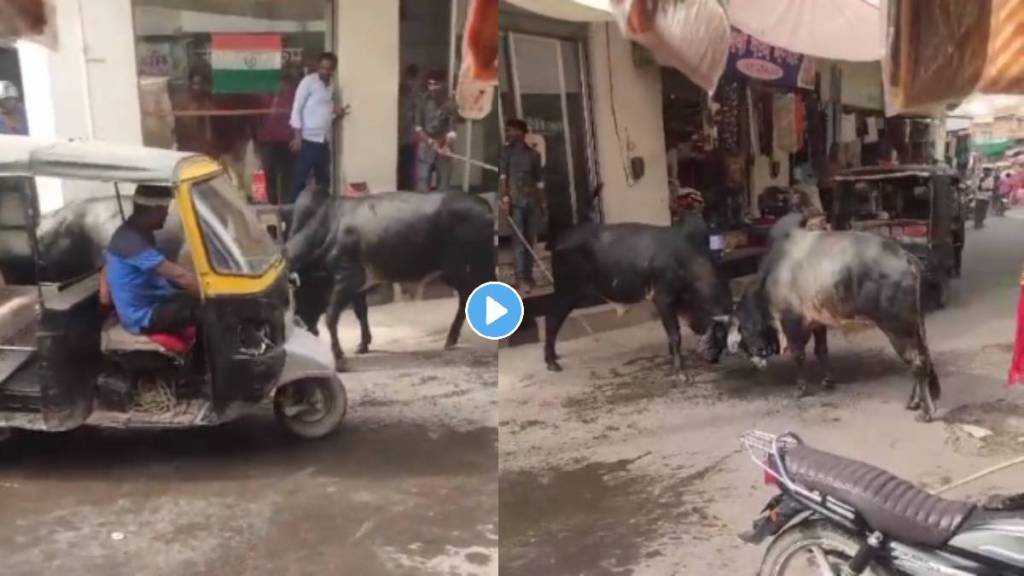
(357,243)
(628,263)
(811,281)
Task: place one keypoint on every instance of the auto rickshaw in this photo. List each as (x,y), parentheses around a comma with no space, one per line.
(66,362)
(918,206)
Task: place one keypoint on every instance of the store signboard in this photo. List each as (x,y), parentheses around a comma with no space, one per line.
(759,60)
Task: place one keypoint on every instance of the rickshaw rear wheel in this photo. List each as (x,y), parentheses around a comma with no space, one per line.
(311,408)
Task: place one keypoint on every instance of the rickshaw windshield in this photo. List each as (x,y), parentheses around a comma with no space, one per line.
(236,243)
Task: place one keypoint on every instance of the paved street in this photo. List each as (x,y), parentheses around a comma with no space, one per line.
(609,468)
(408,486)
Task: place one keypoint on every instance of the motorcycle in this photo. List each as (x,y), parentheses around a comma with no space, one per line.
(999,204)
(834,516)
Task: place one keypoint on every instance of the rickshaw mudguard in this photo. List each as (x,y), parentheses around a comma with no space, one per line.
(306,356)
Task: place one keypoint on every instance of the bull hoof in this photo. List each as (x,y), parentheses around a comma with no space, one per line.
(450,345)
(363,348)
(828,384)
(924,417)
(802,392)
(914,406)
(687,378)
(340,365)
(554,366)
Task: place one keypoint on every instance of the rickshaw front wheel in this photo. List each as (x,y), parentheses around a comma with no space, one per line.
(311,408)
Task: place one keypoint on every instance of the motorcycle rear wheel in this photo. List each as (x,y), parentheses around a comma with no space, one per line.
(798,550)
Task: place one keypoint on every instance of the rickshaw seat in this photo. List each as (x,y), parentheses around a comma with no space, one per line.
(117,339)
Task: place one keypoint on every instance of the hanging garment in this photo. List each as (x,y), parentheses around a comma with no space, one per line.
(800,116)
(1016,375)
(784,122)
(872,135)
(848,128)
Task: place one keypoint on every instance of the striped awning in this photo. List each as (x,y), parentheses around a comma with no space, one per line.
(1004,66)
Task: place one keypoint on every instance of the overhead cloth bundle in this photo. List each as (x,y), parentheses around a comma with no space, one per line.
(938,51)
(689,35)
(30,20)
(478,76)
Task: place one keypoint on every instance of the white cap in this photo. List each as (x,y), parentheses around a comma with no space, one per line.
(8,90)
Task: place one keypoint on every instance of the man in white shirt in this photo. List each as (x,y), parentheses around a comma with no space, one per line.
(313,115)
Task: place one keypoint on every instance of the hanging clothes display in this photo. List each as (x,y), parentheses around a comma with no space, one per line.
(728,118)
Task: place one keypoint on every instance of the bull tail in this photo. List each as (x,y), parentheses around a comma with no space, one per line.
(934,387)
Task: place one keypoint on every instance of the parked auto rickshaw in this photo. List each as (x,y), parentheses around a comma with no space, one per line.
(66,362)
(919,206)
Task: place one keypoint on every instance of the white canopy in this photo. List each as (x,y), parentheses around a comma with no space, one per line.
(25,156)
(570,10)
(834,29)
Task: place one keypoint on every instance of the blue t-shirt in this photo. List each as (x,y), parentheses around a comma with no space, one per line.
(135,286)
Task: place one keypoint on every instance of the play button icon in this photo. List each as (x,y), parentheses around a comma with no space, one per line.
(494,310)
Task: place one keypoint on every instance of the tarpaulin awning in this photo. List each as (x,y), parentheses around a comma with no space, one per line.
(834,29)
(992,148)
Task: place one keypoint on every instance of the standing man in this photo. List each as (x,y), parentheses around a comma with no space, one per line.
(982,197)
(521,187)
(434,125)
(12,119)
(314,112)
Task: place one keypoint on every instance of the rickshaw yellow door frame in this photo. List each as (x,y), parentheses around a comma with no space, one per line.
(213,284)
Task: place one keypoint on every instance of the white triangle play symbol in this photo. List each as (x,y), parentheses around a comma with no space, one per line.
(493,311)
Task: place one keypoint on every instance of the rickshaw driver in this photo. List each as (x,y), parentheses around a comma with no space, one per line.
(141,280)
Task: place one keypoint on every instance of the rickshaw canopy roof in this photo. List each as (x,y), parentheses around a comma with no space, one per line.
(893,172)
(91,160)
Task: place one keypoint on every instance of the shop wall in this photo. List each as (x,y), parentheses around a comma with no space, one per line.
(367,37)
(87,87)
(637,103)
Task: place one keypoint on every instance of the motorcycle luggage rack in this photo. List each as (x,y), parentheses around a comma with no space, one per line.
(767,451)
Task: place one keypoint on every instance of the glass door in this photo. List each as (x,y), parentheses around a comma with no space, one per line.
(543,83)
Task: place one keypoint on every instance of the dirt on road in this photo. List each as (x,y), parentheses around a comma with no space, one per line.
(615,468)
(408,486)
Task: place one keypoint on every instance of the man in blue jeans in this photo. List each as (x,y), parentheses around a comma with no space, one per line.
(521,187)
(313,115)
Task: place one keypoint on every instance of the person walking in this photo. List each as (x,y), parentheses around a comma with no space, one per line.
(520,188)
(434,123)
(982,197)
(314,112)
(274,137)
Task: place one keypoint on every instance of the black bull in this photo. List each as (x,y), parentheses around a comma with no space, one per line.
(811,281)
(71,241)
(385,238)
(628,263)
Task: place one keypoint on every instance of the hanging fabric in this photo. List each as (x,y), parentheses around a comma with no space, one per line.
(478,75)
(784,123)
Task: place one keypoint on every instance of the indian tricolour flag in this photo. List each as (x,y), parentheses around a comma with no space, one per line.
(246,63)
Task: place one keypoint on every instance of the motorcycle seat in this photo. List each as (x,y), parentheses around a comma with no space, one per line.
(887,503)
